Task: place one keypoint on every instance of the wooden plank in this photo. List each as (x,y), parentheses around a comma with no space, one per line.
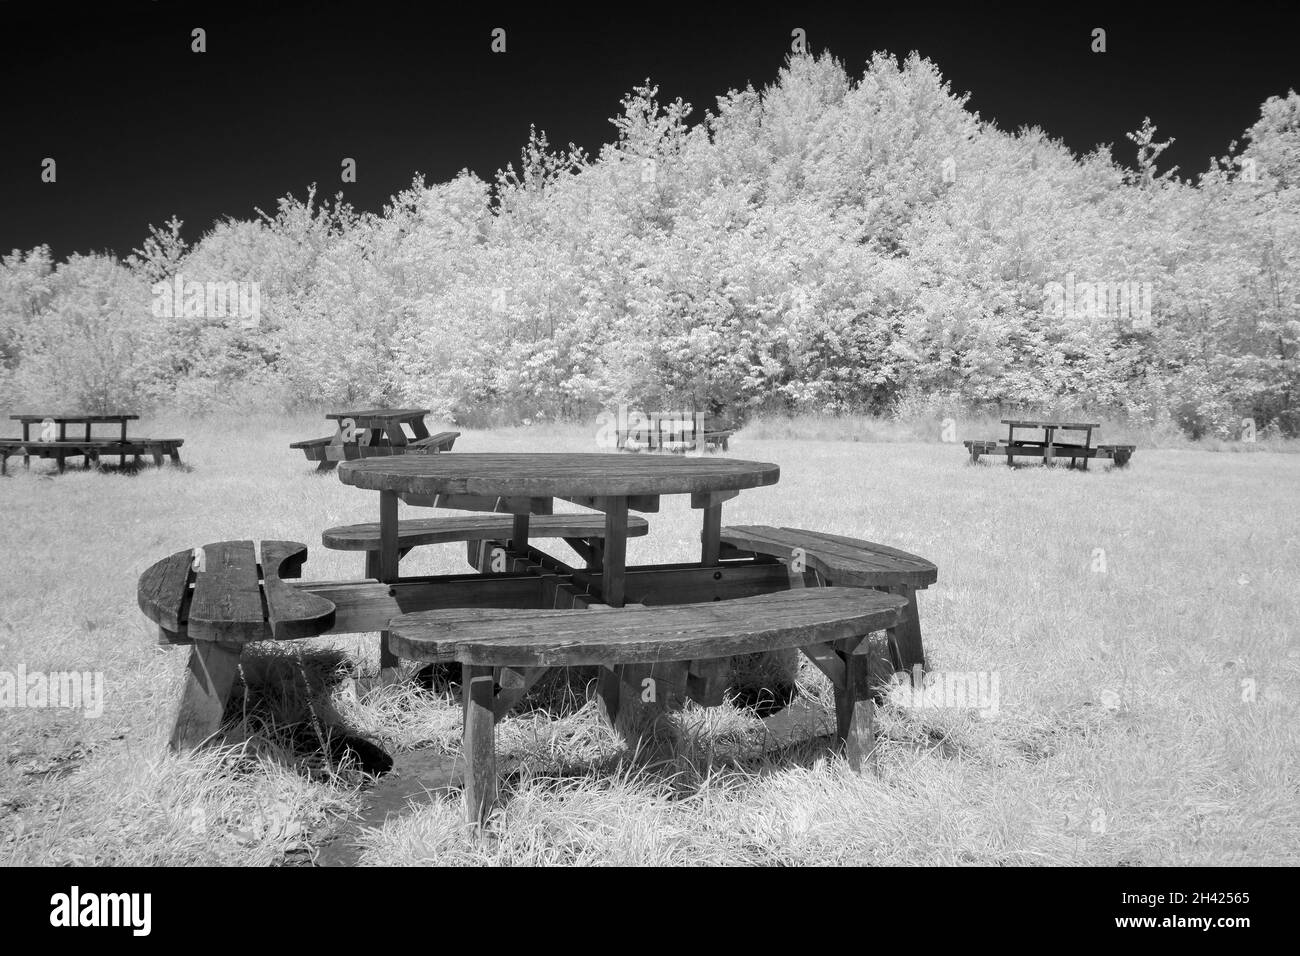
(227,601)
(209,676)
(292,613)
(636,635)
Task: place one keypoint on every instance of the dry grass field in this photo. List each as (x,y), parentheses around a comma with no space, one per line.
(1141,623)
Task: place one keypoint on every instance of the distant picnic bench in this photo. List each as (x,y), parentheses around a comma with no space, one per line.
(675,431)
(1048,448)
(53,442)
(375,432)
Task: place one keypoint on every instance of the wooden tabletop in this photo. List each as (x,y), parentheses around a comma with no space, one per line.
(73,419)
(380,413)
(556,475)
(1036,423)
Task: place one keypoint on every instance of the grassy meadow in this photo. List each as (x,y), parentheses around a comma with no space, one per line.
(1142,624)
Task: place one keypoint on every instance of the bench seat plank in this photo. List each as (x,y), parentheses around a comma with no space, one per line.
(420,531)
(685,632)
(292,613)
(227,603)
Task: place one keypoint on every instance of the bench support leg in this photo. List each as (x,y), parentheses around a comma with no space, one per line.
(208,679)
(855,731)
(648,694)
(479,743)
(608,687)
(905,640)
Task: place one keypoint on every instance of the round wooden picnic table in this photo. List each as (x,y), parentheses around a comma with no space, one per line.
(527,484)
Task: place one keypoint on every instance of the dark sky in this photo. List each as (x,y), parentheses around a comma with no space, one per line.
(142,128)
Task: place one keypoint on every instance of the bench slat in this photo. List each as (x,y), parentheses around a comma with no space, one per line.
(418,531)
(227,604)
(163,589)
(292,613)
(683,632)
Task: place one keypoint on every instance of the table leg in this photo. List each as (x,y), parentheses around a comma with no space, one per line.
(519,534)
(27,459)
(1048,455)
(614,576)
(711,536)
(388,560)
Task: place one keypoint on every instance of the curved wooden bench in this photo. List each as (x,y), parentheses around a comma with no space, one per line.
(846,562)
(503,652)
(218,598)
